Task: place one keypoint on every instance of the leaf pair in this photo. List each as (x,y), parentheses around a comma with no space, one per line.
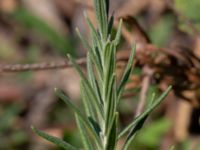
(138,122)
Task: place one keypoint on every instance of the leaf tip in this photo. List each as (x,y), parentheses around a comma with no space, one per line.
(33,128)
(85,14)
(56,90)
(69,56)
(120,20)
(76,28)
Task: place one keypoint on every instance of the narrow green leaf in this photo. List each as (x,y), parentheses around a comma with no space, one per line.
(54,140)
(118,34)
(107,6)
(93,31)
(92,78)
(96,39)
(109,56)
(92,51)
(145,113)
(112,133)
(110,25)
(86,45)
(172,147)
(93,102)
(104,17)
(95,35)
(77,111)
(96,51)
(88,107)
(133,133)
(95,125)
(109,83)
(101,15)
(139,125)
(96,59)
(84,135)
(126,74)
(63,97)
(152,99)
(96,55)
(110,104)
(89,88)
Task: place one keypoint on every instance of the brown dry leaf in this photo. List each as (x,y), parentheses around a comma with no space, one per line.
(192,97)
(182,120)
(68,7)
(136,32)
(194,78)
(197,47)
(10,93)
(170,108)
(8,6)
(155,10)
(133,7)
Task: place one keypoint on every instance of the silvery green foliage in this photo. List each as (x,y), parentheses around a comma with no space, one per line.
(100,91)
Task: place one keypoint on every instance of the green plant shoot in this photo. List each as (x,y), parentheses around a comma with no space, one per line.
(100,91)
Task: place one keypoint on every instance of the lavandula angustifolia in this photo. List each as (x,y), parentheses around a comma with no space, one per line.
(100,91)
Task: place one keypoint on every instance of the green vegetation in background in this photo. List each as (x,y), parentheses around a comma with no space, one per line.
(63,44)
(186,145)
(151,135)
(161,31)
(58,114)
(189,9)
(72,137)
(7,50)
(33,54)
(11,136)
(152,89)
(8,116)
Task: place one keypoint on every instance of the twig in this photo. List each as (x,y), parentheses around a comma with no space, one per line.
(185,19)
(145,86)
(145,49)
(38,66)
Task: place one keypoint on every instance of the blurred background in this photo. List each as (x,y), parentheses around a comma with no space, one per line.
(36,35)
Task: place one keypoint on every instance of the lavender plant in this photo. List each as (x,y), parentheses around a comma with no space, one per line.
(100,91)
